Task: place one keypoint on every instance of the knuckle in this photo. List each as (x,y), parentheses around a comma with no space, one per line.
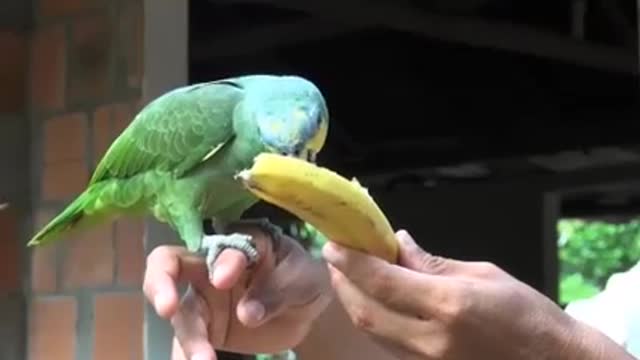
(158,254)
(457,303)
(486,269)
(362,317)
(433,264)
(379,283)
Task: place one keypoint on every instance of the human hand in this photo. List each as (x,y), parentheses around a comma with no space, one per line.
(266,309)
(428,307)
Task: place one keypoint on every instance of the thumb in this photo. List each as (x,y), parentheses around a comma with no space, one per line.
(415,258)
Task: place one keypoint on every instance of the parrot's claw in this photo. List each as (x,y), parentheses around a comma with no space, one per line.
(215,244)
(275,232)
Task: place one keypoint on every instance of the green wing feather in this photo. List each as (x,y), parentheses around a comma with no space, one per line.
(173,133)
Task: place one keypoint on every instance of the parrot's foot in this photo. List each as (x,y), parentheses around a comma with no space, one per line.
(215,244)
(273,231)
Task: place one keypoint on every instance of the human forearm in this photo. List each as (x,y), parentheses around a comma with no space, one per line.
(575,340)
(585,342)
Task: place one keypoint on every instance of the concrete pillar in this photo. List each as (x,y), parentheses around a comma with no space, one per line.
(165,67)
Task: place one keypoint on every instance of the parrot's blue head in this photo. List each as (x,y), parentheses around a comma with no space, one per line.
(291,115)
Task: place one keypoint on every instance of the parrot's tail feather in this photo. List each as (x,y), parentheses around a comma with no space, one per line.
(62,223)
(68,220)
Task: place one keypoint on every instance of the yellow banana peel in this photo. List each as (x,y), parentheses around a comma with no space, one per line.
(340,209)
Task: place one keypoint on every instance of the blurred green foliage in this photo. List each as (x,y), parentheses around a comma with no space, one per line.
(591,251)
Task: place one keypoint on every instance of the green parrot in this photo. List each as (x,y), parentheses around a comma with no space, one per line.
(178,158)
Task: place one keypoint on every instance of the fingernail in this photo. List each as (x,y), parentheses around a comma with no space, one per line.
(255,310)
(404,237)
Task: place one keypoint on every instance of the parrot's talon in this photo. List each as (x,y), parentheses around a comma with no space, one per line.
(215,244)
(275,232)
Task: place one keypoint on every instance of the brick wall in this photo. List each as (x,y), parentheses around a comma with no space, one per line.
(84,83)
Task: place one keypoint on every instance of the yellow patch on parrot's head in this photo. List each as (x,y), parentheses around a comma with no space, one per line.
(316,143)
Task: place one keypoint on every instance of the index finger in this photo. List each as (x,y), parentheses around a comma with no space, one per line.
(395,286)
(169,265)
(166,267)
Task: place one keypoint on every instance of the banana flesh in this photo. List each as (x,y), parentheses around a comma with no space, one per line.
(340,209)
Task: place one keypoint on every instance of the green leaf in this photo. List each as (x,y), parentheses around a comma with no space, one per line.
(575,287)
(590,252)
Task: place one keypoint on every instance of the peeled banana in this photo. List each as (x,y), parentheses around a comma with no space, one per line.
(340,209)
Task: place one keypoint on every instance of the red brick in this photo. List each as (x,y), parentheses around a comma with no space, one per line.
(130,251)
(63,181)
(108,122)
(52,325)
(10,253)
(118,326)
(65,138)
(89,261)
(55,8)
(89,78)
(13,71)
(48,68)
(43,258)
(132,42)
(43,269)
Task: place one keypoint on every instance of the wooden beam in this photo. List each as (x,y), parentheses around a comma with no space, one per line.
(470,31)
(577,181)
(268,37)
